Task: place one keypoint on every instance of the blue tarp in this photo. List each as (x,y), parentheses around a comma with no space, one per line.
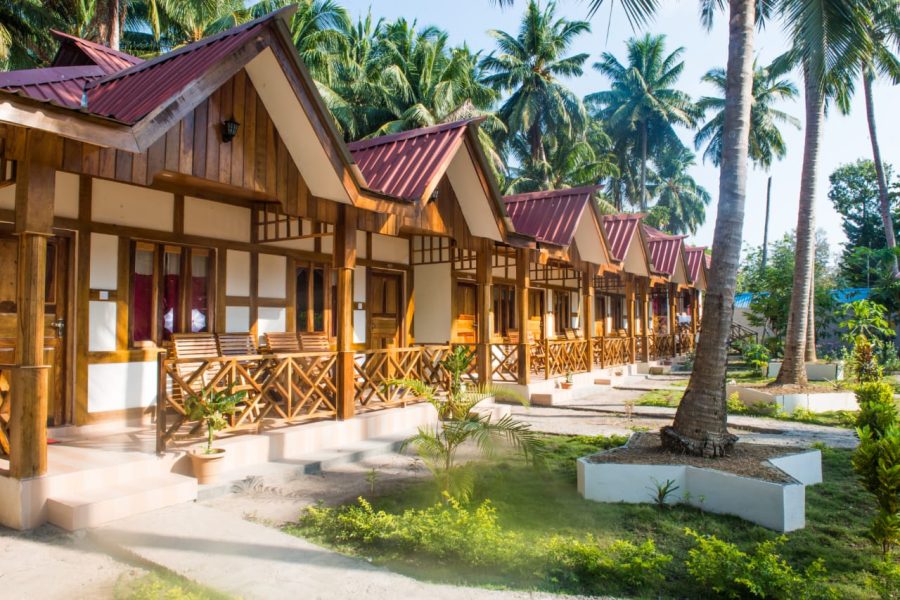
(843,296)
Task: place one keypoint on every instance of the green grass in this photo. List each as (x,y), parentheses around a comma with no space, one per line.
(540,504)
(667,398)
(164,586)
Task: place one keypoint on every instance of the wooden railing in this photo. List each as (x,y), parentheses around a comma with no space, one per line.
(685,340)
(375,369)
(738,334)
(566,356)
(283,386)
(505,362)
(612,351)
(661,346)
(5,379)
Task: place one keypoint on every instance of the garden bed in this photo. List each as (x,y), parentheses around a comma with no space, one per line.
(811,398)
(763,484)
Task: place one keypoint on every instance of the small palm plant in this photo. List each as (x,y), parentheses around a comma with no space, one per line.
(212,406)
(458,423)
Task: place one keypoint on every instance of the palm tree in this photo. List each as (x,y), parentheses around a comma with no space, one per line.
(642,101)
(828,42)
(766,142)
(25,39)
(529,65)
(683,199)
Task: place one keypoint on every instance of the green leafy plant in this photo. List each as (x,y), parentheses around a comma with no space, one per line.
(727,572)
(886,580)
(212,406)
(459,423)
(588,565)
(661,491)
(570,379)
(864,318)
(372,479)
(864,364)
(757,356)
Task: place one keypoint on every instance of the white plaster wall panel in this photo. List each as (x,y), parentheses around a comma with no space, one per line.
(237,273)
(473,201)
(8,197)
(117,386)
(104,261)
(65,200)
(133,206)
(237,319)
(500,273)
(270,319)
(361,244)
(327,244)
(359,295)
(216,220)
(587,239)
(102,326)
(304,245)
(390,249)
(431,324)
(272,276)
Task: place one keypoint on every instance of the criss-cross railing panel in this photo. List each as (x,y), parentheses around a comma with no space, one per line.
(616,351)
(376,369)
(661,346)
(505,362)
(566,356)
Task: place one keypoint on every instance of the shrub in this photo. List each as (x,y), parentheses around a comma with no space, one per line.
(757,356)
(734,405)
(864,364)
(622,565)
(877,409)
(877,463)
(886,580)
(728,572)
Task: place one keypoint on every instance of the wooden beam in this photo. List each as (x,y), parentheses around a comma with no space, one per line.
(587,313)
(645,320)
(35,183)
(484,281)
(523,285)
(630,307)
(344,264)
(673,317)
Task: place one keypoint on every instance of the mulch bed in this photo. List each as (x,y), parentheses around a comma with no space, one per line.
(747,460)
(779,390)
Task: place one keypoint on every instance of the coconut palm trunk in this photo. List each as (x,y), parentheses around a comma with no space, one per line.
(810,355)
(793,368)
(644,165)
(700,425)
(883,197)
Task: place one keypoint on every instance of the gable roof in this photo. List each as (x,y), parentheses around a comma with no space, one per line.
(74,51)
(665,250)
(131,94)
(62,86)
(408,165)
(619,231)
(550,216)
(694,256)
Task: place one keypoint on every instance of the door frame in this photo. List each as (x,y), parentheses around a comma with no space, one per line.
(401,310)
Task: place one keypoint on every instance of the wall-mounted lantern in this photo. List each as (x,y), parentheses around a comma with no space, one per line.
(229,130)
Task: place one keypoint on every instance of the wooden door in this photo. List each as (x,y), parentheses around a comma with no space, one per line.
(385,309)
(536,313)
(56,306)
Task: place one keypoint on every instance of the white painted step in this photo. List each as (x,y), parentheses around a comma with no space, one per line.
(97,506)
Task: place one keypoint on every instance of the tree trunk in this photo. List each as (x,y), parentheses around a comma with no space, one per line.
(536,143)
(793,368)
(109,23)
(883,196)
(811,323)
(765,248)
(700,425)
(644,166)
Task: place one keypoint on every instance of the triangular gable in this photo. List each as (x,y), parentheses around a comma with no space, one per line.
(627,243)
(636,259)
(695,261)
(74,51)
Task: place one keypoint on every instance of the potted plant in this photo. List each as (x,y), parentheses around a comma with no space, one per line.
(568,382)
(211,406)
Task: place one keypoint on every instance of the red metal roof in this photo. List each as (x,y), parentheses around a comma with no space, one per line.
(694,256)
(550,217)
(75,51)
(404,164)
(664,249)
(62,86)
(129,95)
(619,231)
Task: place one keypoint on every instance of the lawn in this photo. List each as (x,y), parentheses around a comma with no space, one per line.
(537,505)
(163,586)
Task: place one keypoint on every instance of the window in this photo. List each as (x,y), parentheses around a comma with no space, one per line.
(313,295)
(562,312)
(171,291)
(504,309)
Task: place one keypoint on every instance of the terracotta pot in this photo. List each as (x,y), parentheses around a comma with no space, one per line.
(566,385)
(208,467)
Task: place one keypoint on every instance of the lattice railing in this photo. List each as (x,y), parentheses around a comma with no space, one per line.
(566,356)
(375,369)
(685,340)
(615,351)
(505,362)
(285,386)
(661,346)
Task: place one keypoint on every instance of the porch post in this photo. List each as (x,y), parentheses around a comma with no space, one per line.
(587,315)
(29,389)
(673,317)
(695,314)
(344,263)
(484,280)
(629,309)
(523,285)
(645,321)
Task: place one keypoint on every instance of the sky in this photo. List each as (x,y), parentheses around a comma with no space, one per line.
(845,139)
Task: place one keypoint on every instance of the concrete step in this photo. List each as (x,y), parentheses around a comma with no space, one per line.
(97,506)
(307,464)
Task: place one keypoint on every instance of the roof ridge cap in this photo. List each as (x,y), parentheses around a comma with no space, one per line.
(390,138)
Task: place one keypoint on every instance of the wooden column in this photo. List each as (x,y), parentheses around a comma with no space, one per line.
(673,316)
(344,263)
(523,285)
(695,313)
(484,278)
(645,320)
(587,313)
(630,307)
(35,183)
